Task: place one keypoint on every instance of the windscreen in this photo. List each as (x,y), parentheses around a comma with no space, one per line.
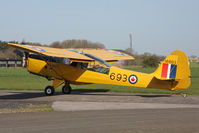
(99,60)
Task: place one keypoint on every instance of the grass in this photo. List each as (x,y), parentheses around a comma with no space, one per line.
(29,108)
(20,110)
(20,79)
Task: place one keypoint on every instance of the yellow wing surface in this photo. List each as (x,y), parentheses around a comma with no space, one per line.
(107,55)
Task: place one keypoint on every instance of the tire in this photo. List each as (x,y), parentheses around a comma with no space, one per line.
(49,90)
(66,90)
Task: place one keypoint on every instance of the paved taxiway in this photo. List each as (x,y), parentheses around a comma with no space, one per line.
(100,112)
(112,121)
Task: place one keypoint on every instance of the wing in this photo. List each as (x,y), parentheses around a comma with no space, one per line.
(54,52)
(75,54)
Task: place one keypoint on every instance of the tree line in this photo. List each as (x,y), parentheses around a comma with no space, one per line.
(76,44)
(145,60)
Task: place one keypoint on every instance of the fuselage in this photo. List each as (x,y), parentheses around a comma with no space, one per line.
(75,73)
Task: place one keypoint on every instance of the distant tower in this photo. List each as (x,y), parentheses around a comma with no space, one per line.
(131,44)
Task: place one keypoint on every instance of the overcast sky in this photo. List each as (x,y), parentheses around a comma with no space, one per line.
(158,26)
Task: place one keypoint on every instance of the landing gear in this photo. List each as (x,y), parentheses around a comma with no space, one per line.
(184,95)
(49,90)
(66,89)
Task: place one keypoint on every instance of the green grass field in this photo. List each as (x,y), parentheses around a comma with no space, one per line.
(20,79)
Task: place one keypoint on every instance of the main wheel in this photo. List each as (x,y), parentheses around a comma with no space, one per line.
(49,90)
(66,89)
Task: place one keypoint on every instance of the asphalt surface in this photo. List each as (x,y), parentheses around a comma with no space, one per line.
(112,121)
(88,112)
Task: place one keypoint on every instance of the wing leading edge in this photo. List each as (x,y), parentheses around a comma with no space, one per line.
(107,55)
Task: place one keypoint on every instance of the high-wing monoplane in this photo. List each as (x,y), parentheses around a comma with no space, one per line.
(88,66)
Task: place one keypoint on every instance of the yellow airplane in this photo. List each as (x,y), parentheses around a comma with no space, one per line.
(88,66)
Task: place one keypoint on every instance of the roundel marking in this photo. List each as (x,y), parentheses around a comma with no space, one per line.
(133,79)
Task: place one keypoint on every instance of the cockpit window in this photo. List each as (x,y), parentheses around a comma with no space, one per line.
(101,61)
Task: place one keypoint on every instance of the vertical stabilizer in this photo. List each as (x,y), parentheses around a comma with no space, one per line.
(175,68)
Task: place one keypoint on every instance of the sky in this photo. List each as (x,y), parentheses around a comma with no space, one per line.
(157,26)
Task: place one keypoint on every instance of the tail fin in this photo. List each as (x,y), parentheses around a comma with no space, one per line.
(175,68)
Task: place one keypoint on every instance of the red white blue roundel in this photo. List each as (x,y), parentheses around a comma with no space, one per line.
(133,79)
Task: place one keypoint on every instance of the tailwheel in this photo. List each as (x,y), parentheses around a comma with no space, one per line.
(66,89)
(49,90)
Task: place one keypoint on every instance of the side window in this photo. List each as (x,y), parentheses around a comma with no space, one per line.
(74,64)
(80,65)
(83,65)
(95,67)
